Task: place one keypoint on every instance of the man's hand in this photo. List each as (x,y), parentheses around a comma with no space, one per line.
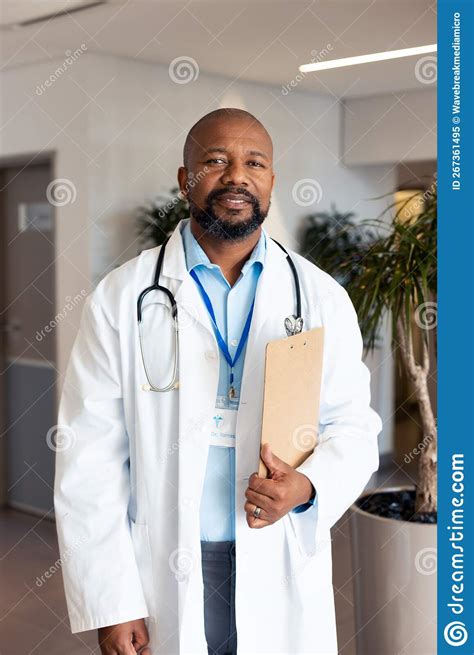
(124,638)
(277,495)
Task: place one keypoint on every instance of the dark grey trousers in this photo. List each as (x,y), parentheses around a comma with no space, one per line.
(218,570)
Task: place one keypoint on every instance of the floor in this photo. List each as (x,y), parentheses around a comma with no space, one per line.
(33,608)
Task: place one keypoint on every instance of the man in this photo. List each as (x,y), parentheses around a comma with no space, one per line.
(171,541)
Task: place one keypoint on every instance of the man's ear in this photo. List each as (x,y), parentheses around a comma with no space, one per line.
(183,180)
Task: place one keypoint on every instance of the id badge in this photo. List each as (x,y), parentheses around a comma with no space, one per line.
(222,427)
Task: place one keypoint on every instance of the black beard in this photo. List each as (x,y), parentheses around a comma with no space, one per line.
(222,228)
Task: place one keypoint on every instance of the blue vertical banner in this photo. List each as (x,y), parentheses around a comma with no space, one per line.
(456,327)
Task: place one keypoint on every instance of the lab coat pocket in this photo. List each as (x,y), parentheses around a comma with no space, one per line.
(311,558)
(142,548)
(303,526)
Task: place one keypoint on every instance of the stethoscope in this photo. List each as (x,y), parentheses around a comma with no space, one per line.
(293,323)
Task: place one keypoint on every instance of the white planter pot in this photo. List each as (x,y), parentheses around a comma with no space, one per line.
(394,565)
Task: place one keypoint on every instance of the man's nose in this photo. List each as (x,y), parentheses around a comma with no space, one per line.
(235,174)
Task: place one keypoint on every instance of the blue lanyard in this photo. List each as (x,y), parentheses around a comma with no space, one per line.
(220,340)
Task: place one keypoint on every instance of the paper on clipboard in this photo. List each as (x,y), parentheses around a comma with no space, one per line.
(292,384)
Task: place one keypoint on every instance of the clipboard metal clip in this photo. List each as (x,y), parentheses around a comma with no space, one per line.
(293,325)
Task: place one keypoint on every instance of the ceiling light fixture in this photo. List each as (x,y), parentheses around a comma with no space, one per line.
(365,59)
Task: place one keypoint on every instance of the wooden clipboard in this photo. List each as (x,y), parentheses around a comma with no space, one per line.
(292,383)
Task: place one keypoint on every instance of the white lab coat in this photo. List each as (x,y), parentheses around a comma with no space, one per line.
(131,465)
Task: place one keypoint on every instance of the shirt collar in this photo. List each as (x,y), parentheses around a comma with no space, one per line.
(195,255)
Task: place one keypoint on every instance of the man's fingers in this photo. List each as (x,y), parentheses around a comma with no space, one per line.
(129,649)
(140,637)
(264,486)
(252,522)
(263,519)
(124,638)
(119,648)
(258,499)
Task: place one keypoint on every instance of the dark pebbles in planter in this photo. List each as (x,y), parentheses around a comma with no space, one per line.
(396,504)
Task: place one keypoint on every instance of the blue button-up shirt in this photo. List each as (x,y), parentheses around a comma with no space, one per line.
(231,307)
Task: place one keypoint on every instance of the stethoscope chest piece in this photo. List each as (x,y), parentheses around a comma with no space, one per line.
(293,325)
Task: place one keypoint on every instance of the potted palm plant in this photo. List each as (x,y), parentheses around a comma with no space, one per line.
(390,266)
(157,219)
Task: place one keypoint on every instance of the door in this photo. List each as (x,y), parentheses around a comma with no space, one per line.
(27,338)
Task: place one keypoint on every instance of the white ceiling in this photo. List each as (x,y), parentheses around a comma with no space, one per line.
(262,40)
(14,12)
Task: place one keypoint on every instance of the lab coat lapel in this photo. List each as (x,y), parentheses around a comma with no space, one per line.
(273,286)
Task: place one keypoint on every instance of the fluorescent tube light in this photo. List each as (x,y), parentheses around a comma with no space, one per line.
(365,59)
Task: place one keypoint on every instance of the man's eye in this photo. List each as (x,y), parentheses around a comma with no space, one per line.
(217,160)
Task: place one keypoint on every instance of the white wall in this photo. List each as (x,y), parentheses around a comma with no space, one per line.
(390,128)
(55,122)
(119,137)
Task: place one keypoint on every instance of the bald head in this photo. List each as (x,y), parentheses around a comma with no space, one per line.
(242,121)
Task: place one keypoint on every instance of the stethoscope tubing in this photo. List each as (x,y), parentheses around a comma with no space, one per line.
(156,286)
(174,310)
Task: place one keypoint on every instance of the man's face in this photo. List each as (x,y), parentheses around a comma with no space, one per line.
(230,178)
